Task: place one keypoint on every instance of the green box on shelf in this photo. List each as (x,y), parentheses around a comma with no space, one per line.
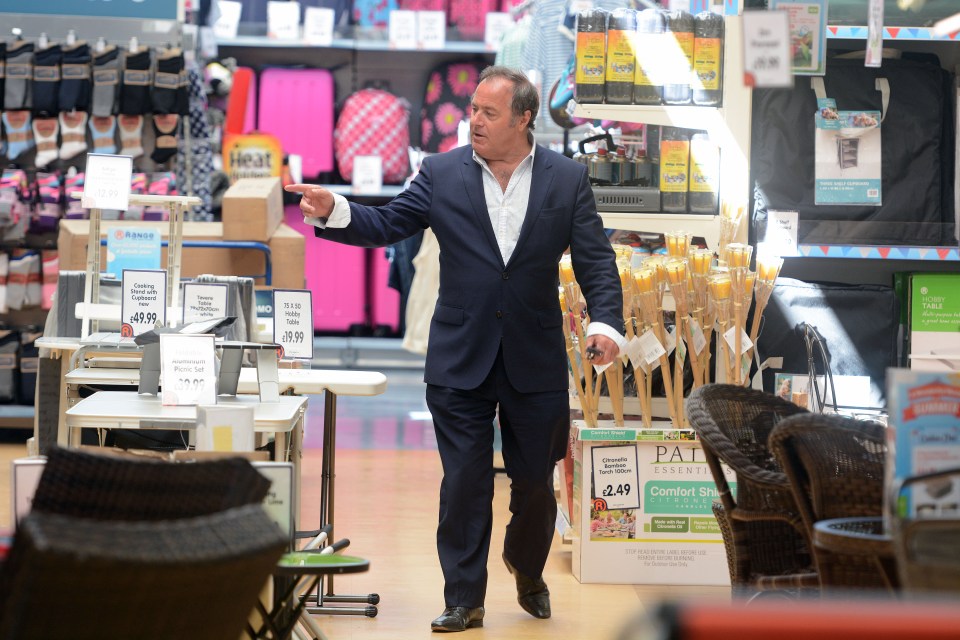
(935,321)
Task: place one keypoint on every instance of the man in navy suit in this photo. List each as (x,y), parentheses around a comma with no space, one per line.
(503,210)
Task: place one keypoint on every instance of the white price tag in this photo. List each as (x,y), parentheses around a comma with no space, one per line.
(766,49)
(402,30)
(318,26)
(634,352)
(731,337)
(226,25)
(780,237)
(107,182)
(143,302)
(671,340)
(204,301)
(874,55)
(293,322)
(367,175)
(615,477)
(431,29)
(187,370)
(699,340)
(283,20)
(497,23)
(651,348)
(681,349)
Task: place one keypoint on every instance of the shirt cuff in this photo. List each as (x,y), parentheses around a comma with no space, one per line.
(603,329)
(338,218)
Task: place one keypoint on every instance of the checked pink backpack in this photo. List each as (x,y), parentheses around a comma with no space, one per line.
(373,122)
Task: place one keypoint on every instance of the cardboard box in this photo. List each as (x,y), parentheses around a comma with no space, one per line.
(642,508)
(935,322)
(252,209)
(286,249)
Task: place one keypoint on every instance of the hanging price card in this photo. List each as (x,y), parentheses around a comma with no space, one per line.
(651,347)
(635,352)
(107,182)
(431,29)
(283,20)
(497,23)
(293,322)
(402,30)
(227,24)
(318,26)
(204,301)
(731,337)
(874,55)
(187,373)
(143,302)
(367,175)
(615,476)
(766,49)
(699,340)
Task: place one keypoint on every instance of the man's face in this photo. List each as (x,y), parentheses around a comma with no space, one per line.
(494,131)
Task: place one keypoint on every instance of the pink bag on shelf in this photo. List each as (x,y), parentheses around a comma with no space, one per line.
(374,122)
(470,16)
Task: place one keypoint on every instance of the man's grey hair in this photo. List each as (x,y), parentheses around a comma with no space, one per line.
(525,97)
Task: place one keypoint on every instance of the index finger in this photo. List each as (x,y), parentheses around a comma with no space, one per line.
(301,188)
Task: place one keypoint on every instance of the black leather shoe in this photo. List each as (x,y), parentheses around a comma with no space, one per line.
(458,619)
(532,595)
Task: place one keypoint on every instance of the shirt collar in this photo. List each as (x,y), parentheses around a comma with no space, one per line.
(533,149)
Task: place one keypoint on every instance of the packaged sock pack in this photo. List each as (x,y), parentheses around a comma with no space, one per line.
(102,130)
(73,133)
(48,209)
(73,185)
(75,82)
(19,132)
(46,82)
(161,184)
(51,270)
(131,135)
(19,72)
(106,82)
(45,135)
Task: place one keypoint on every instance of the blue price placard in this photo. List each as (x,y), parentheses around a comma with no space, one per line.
(146,9)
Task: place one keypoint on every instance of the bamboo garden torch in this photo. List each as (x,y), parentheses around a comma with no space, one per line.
(649,292)
(738,262)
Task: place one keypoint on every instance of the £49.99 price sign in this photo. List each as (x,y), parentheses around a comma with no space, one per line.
(293,322)
(144,301)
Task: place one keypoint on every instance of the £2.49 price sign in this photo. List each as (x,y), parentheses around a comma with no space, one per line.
(293,322)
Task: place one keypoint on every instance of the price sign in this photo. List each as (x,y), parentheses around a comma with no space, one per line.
(431,29)
(367,175)
(402,30)
(318,26)
(226,25)
(293,322)
(780,236)
(615,478)
(107,182)
(204,301)
(144,301)
(494,28)
(766,49)
(283,20)
(187,373)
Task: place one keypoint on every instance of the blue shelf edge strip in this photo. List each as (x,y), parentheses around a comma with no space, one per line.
(933,254)
(889,33)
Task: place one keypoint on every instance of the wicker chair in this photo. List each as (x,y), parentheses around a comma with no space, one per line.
(766,543)
(79,578)
(109,487)
(926,548)
(836,470)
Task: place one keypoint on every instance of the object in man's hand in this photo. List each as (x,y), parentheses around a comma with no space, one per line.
(593,353)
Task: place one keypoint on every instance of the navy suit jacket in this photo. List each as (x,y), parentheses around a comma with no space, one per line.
(483,302)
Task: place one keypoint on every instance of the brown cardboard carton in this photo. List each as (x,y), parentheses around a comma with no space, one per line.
(286,249)
(252,209)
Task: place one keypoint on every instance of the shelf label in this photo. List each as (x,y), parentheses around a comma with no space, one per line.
(107,182)
(615,477)
(318,26)
(780,236)
(402,30)
(204,301)
(766,49)
(226,25)
(283,20)
(293,322)
(367,175)
(187,373)
(874,55)
(143,302)
(431,30)
(497,23)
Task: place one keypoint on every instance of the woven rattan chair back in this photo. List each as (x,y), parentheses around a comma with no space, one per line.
(926,548)
(79,578)
(836,470)
(108,487)
(763,528)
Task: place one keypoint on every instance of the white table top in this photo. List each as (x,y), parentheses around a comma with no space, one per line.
(300,381)
(126,410)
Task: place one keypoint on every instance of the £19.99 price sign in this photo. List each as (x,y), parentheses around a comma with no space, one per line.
(293,322)
(144,301)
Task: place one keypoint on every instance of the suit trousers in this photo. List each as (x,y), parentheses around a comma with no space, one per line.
(534,430)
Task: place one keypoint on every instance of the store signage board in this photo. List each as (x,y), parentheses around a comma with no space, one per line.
(132,248)
(318,26)
(283,20)
(187,370)
(615,478)
(807,34)
(144,9)
(780,237)
(204,301)
(281,497)
(107,182)
(431,30)
(402,29)
(367,175)
(293,322)
(229,21)
(497,23)
(766,49)
(143,301)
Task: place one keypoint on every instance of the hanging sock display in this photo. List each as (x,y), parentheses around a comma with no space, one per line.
(45,133)
(102,130)
(106,81)
(17,90)
(131,135)
(135,90)
(165,96)
(165,145)
(19,136)
(75,79)
(73,134)
(46,82)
